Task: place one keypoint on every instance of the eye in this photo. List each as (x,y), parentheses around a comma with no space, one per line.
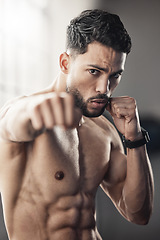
(94,71)
(116,76)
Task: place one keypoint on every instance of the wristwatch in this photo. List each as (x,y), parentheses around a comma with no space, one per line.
(138,143)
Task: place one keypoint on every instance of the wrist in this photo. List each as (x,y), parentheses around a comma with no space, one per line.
(136,137)
(141,139)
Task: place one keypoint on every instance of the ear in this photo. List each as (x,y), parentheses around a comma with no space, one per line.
(64,60)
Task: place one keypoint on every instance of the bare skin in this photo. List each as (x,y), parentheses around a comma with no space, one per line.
(53,159)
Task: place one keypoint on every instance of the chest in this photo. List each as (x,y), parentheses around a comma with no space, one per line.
(79,156)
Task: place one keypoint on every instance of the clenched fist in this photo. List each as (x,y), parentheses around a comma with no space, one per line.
(125,115)
(52,109)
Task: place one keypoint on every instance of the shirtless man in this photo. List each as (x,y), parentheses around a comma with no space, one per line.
(57,148)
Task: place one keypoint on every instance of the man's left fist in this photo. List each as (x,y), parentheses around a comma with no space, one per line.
(125,115)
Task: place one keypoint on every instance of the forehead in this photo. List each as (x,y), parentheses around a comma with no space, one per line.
(105,57)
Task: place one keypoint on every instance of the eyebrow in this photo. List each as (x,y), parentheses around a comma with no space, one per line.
(105,69)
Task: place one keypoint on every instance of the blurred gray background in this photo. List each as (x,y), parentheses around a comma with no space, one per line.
(32,36)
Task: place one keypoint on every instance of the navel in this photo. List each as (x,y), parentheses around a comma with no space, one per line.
(59,175)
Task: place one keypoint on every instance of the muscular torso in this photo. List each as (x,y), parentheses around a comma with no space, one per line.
(48,185)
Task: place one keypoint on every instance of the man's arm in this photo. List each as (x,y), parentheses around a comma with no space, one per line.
(129,181)
(25,118)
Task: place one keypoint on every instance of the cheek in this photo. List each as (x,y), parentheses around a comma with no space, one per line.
(114,84)
(86,88)
(81,80)
(74,78)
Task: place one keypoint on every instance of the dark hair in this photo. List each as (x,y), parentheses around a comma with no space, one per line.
(97,25)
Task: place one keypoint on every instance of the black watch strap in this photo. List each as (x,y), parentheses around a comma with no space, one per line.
(138,143)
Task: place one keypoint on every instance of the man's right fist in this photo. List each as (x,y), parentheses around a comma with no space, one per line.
(53,109)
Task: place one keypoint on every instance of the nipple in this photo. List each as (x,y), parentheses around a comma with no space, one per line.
(59,175)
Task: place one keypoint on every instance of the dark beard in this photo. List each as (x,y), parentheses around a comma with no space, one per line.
(80,103)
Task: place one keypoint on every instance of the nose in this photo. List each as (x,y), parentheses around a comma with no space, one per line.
(102,85)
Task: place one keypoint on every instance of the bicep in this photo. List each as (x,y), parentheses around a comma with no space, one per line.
(115,177)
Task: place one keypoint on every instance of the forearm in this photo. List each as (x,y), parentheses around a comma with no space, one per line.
(138,188)
(135,191)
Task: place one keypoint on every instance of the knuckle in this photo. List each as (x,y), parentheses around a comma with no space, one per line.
(50,125)
(69,99)
(118,110)
(43,105)
(36,108)
(134,104)
(56,98)
(46,101)
(115,105)
(132,100)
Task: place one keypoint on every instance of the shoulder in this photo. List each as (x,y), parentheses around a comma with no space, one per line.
(11,102)
(8,104)
(109,129)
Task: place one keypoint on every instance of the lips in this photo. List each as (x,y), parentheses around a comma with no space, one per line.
(99,100)
(98,103)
